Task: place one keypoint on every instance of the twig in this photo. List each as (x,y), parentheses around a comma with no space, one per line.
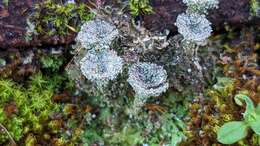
(9,135)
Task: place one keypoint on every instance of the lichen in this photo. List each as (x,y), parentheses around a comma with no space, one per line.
(97,32)
(147,80)
(200,6)
(101,66)
(193,27)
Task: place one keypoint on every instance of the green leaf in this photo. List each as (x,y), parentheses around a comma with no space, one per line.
(258,109)
(255,125)
(232,132)
(250,108)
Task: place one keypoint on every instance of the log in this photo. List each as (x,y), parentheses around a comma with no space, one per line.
(13,26)
(233,12)
(13,20)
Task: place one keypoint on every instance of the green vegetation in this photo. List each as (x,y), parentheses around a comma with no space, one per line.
(55,18)
(6,2)
(24,110)
(255,7)
(169,130)
(138,7)
(40,105)
(234,131)
(52,62)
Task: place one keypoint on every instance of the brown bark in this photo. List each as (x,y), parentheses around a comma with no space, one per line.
(13,20)
(234,12)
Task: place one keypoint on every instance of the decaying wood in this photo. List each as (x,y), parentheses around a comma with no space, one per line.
(233,12)
(13,20)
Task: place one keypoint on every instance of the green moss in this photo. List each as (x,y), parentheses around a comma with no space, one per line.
(51,62)
(56,18)
(33,106)
(138,7)
(255,7)
(6,2)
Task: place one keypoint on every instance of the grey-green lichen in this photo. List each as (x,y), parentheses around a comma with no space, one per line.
(194,27)
(147,80)
(97,32)
(101,66)
(200,6)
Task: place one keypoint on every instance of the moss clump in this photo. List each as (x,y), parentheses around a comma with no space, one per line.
(138,7)
(23,110)
(56,18)
(255,8)
(51,63)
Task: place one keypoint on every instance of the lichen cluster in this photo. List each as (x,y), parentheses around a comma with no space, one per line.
(201,6)
(125,85)
(101,66)
(193,25)
(98,64)
(147,80)
(98,33)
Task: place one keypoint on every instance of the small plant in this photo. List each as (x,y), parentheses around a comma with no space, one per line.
(6,2)
(255,8)
(24,110)
(51,62)
(234,131)
(140,7)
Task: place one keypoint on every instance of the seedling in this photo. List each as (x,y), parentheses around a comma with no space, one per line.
(234,131)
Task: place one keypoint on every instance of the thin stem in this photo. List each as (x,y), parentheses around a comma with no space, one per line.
(9,135)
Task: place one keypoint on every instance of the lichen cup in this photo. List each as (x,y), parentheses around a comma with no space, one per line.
(101,66)
(147,80)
